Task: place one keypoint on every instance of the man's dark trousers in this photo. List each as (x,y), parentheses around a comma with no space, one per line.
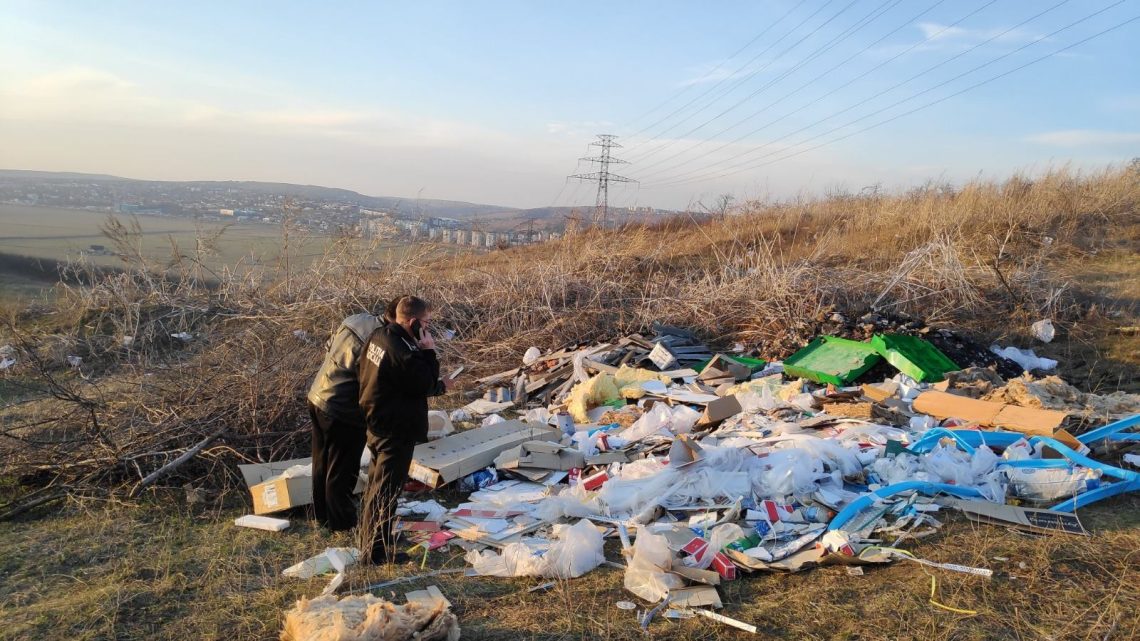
(391,458)
(337,446)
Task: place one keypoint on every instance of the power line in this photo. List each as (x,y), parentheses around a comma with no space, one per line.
(730,89)
(603,176)
(933,102)
(803,86)
(717,67)
(875,14)
(955,94)
(685,175)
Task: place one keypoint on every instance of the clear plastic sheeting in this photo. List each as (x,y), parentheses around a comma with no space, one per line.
(1048,484)
(646,576)
(575,550)
(946,464)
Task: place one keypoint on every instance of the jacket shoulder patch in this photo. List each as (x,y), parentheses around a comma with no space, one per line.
(375,354)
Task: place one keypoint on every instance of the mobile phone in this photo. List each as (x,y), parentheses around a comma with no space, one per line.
(417,330)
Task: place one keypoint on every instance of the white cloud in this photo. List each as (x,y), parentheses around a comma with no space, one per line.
(712,73)
(1085,138)
(938,32)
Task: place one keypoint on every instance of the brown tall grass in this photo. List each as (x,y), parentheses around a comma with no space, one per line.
(988,256)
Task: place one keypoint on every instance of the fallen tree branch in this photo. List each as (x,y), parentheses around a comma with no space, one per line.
(171,466)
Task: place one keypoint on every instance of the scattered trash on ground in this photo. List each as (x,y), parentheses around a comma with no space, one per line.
(710,466)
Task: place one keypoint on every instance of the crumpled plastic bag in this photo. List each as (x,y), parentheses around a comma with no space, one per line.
(646,574)
(1026,358)
(531,355)
(576,550)
(491,420)
(677,420)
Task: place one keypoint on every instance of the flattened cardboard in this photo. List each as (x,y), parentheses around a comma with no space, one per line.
(453,457)
(708,577)
(694,597)
(540,455)
(880,391)
(1021,518)
(605,458)
(428,598)
(1027,420)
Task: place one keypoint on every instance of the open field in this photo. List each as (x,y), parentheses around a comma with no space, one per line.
(987,259)
(60,235)
(51,232)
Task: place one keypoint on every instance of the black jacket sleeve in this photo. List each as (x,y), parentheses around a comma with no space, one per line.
(419,375)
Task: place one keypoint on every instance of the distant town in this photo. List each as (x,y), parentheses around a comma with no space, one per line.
(316,209)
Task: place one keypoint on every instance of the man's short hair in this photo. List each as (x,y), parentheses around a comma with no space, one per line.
(410,307)
(390,310)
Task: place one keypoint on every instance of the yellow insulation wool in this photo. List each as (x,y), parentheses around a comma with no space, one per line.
(368,618)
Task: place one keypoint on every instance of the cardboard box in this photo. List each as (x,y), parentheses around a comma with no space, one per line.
(540,455)
(440,462)
(272,494)
(1027,420)
(720,409)
(721,366)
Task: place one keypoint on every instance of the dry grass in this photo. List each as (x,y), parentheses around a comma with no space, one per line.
(166,570)
(988,258)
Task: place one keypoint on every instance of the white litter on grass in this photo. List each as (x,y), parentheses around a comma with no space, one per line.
(74,361)
(266,523)
(5,363)
(183,336)
(575,550)
(532,355)
(332,559)
(1028,360)
(492,419)
(1044,331)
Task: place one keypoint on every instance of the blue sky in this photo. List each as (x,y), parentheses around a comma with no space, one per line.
(494,101)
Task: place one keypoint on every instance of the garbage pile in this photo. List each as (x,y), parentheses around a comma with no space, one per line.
(706,465)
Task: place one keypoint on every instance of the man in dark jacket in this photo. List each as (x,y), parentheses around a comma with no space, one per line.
(338,423)
(398,371)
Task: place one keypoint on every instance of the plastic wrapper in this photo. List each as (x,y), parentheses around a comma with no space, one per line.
(531,355)
(492,419)
(1048,484)
(538,415)
(576,550)
(1026,358)
(646,574)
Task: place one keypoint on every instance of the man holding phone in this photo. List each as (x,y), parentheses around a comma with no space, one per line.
(398,373)
(338,423)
